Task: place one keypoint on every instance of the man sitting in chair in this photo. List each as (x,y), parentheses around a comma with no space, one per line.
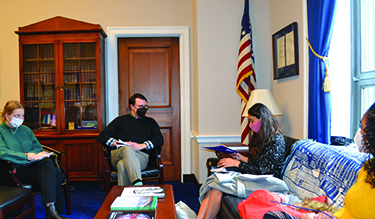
(133,135)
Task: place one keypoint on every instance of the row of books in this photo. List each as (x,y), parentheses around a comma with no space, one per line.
(137,202)
(34,93)
(74,77)
(85,93)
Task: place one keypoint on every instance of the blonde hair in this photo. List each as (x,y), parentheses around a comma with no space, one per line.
(9,107)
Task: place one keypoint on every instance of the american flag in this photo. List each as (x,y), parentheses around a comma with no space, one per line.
(246,80)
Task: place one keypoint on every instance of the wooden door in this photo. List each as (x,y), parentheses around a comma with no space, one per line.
(151,66)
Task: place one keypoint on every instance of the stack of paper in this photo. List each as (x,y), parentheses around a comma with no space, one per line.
(144,191)
(139,203)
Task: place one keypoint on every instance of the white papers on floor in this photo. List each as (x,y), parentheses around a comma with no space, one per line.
(184,211)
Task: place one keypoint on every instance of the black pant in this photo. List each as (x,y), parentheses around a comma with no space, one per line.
(46,177)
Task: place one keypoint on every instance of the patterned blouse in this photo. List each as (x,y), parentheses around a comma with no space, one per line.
(270,162)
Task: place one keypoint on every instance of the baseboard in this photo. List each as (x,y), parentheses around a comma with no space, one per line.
(191,178)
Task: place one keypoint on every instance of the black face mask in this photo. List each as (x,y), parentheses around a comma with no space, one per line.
(141,112)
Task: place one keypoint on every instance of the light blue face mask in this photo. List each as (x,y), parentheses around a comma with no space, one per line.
(358,140)
(15,123)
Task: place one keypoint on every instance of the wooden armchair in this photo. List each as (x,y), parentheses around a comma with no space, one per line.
(8,178)
(13,197)
(153,171)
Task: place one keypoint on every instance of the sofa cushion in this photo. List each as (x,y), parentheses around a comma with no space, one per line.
(313,169)
(229,205)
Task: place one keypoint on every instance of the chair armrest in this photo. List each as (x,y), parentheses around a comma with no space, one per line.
(211,164)
(107,167)
(58,159)
(48,149)
(160,163)
(6,174)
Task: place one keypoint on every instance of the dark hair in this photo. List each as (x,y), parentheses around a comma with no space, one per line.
(9,107)
(270,126)
(369,144)
(135,96)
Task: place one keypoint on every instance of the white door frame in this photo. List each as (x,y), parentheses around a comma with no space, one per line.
(112,93)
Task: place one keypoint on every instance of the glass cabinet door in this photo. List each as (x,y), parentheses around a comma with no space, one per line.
(39,87)
(79,75)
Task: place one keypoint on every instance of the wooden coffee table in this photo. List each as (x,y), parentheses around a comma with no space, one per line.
(165,209)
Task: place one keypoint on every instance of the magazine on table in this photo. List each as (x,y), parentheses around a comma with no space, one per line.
(132,215)
(139,203)
(144,191)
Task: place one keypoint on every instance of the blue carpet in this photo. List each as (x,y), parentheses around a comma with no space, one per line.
(87,198)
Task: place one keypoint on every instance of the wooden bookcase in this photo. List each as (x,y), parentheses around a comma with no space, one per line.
(62,90)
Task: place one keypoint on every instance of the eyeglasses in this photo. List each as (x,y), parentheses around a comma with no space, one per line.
(141,106)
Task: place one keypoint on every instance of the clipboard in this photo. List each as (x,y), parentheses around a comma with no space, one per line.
(221,148)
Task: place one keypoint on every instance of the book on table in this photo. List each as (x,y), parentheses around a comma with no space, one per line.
(132,215)
(144,191)
(138,203)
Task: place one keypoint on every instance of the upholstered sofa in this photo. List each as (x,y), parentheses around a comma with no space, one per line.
(310,169)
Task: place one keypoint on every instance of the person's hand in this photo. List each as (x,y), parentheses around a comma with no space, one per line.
(228,162)
(240,157)
(136,146)
(41,155)
(31,156)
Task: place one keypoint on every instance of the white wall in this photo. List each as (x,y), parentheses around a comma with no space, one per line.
(123,13)
(217,42)
(267,17)
(214,26)
(291,93)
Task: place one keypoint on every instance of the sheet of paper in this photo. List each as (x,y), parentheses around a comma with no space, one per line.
(121,143)
(289,48)
(33,161)
(281,52)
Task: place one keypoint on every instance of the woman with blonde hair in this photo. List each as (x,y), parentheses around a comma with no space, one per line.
(19,145)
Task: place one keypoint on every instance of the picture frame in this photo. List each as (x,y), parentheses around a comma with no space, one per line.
(285,52)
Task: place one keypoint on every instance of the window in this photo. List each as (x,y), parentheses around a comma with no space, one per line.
(352,67)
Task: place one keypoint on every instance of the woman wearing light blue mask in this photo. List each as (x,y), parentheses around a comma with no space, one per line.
(19,145)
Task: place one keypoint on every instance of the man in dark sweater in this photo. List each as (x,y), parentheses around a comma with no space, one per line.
(133,136)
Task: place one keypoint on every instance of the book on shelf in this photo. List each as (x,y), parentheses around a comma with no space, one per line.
(144,191)
(132,215)
(139,203)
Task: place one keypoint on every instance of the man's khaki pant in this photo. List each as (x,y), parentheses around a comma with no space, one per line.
(129,164)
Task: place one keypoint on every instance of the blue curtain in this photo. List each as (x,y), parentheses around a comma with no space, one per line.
(320,20)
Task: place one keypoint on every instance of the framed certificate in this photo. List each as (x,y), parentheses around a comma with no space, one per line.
(285,52)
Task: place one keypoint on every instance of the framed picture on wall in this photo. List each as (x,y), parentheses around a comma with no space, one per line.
(285,52)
